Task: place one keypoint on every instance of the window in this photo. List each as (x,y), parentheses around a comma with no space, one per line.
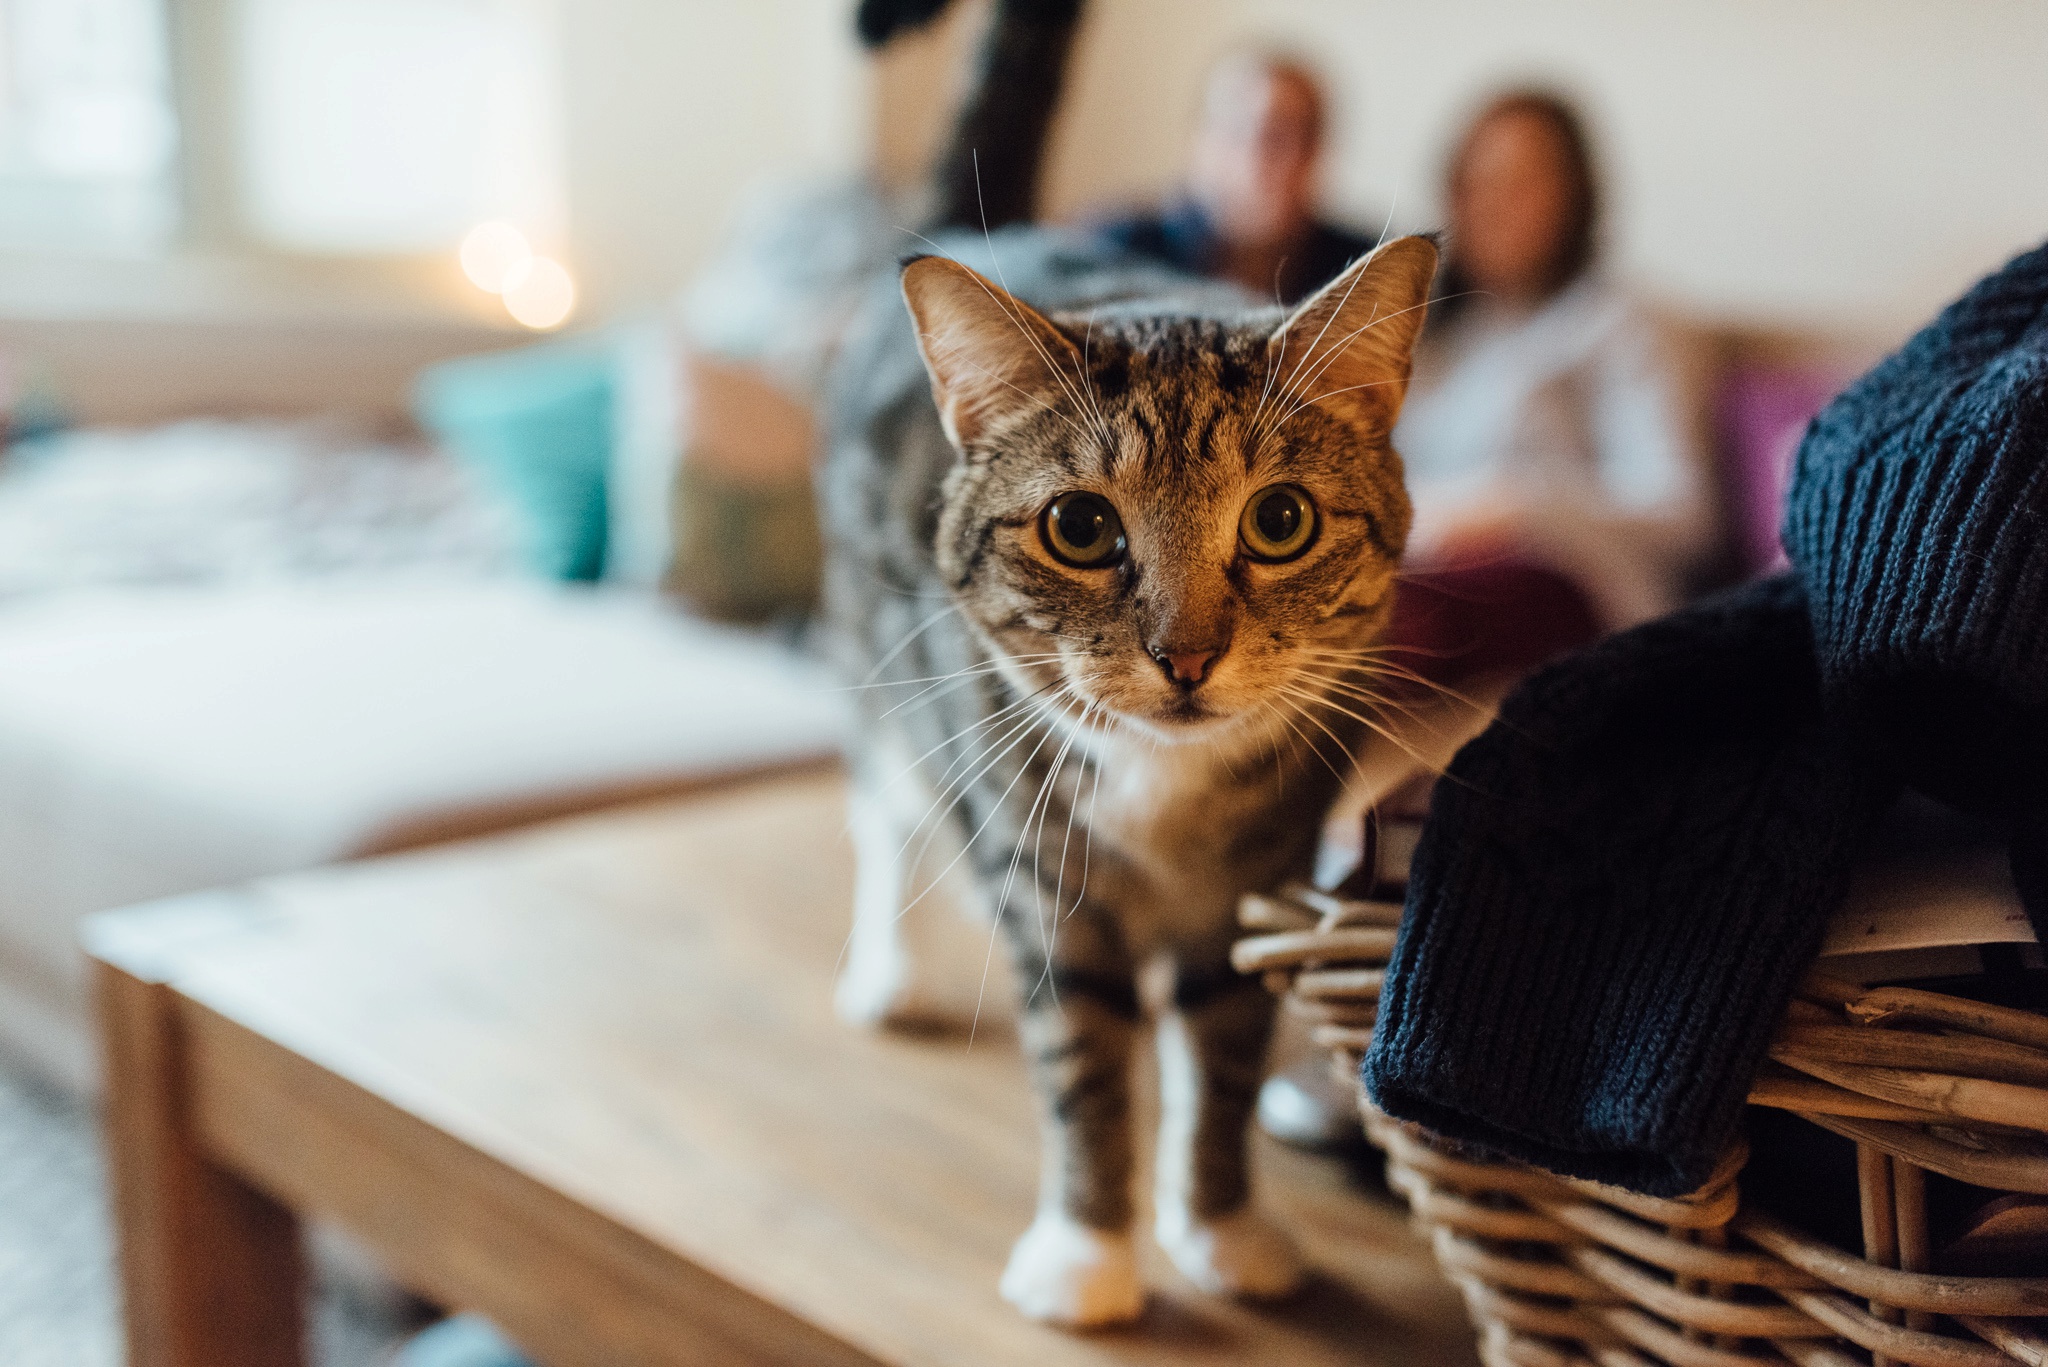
(372,127)
(87,135)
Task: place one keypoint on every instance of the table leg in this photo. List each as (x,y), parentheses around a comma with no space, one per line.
(211,1269)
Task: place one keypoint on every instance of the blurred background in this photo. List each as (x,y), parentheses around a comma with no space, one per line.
(337,337)
(256,204)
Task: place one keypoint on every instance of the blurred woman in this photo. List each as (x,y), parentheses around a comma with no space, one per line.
(1560,492)
(1551,441)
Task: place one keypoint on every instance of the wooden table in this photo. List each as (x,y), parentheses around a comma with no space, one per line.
(586,1080)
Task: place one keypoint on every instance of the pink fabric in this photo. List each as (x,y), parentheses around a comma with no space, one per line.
(1763,414)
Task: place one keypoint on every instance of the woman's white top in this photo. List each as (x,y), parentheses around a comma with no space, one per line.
(1573,425)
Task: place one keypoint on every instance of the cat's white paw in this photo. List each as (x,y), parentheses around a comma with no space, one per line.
(1242,1254)
(1069,1274)
(883,989)
(877,988)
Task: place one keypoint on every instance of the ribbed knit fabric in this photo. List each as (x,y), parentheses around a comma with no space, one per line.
(1919,521)
(1623,878)
(1619,884)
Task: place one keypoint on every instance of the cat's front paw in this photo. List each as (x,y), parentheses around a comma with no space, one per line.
(885,988)
(1242,1254)
(1064,1272)
(876,989)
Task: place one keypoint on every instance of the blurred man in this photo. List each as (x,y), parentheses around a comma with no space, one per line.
(1248,213)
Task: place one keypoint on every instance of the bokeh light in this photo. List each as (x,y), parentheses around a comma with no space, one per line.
(496,257)
(544,297)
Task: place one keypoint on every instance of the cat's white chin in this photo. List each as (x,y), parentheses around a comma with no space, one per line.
(1176,728)
(1066,1273)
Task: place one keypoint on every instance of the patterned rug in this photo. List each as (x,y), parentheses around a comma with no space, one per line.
(59,1302)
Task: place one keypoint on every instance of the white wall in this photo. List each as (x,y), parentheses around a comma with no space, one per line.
(392,127)
(1844,164)
(672,107)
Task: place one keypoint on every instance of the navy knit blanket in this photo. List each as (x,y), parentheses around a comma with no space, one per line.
(1623,879)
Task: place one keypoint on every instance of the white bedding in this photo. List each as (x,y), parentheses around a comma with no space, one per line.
(215,502)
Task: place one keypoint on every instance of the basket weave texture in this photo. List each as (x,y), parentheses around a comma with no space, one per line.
(1557,1271)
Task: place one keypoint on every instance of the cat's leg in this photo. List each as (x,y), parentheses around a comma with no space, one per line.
(1076,1265)
(918,952)
(1212,1057)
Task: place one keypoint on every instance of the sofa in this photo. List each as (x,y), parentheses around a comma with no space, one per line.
(236,649)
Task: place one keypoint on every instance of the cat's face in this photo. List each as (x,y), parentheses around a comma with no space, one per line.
(1177,524)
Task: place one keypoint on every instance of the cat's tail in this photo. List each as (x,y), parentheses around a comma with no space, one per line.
(988,174)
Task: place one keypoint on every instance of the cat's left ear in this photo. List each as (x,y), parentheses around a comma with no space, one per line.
(992,357)
(1348,349)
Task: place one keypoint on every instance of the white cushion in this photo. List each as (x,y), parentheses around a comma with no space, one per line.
(159,742)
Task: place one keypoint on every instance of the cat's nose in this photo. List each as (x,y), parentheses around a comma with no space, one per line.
(1188,668)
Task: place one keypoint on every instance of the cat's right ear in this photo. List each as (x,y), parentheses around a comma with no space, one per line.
(991,356)
(1348,349)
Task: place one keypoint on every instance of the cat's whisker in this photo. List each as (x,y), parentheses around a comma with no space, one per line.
(1328,323)
(1368,667)
(919,826)
(1282,752)
(1004,302)
(1276,753)
(1421,760)
(982,668)
(1094,393)
(1381,702)
(946,685)
(920,629)
(1312,401)
(1327,359)
(1330,357)
(957,780)
(956,354)
(1083,726)
(1047,933)
(1379,662)
(1359,676)
(1066,844)
(1385,648)
(1252,432)
(1342,748)
(1281,709)
(1059,898)
(994,810)
(961,676)
(1383,667)
(1040,805)
(1336,350)
(945,785)
(993,719)
(999,908)
(1019,728)
(1384,670)
(1088,824)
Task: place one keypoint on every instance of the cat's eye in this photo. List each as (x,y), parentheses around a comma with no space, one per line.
(1278,523)
(1082,530)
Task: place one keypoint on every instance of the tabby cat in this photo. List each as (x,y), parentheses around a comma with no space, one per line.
(1110,565)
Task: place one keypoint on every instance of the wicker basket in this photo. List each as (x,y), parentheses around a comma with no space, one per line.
(1556,1271)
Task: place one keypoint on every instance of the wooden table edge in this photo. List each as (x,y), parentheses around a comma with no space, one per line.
(219,1140)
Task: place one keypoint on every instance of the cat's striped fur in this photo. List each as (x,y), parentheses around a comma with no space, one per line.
(1102,760)
(1107,815)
